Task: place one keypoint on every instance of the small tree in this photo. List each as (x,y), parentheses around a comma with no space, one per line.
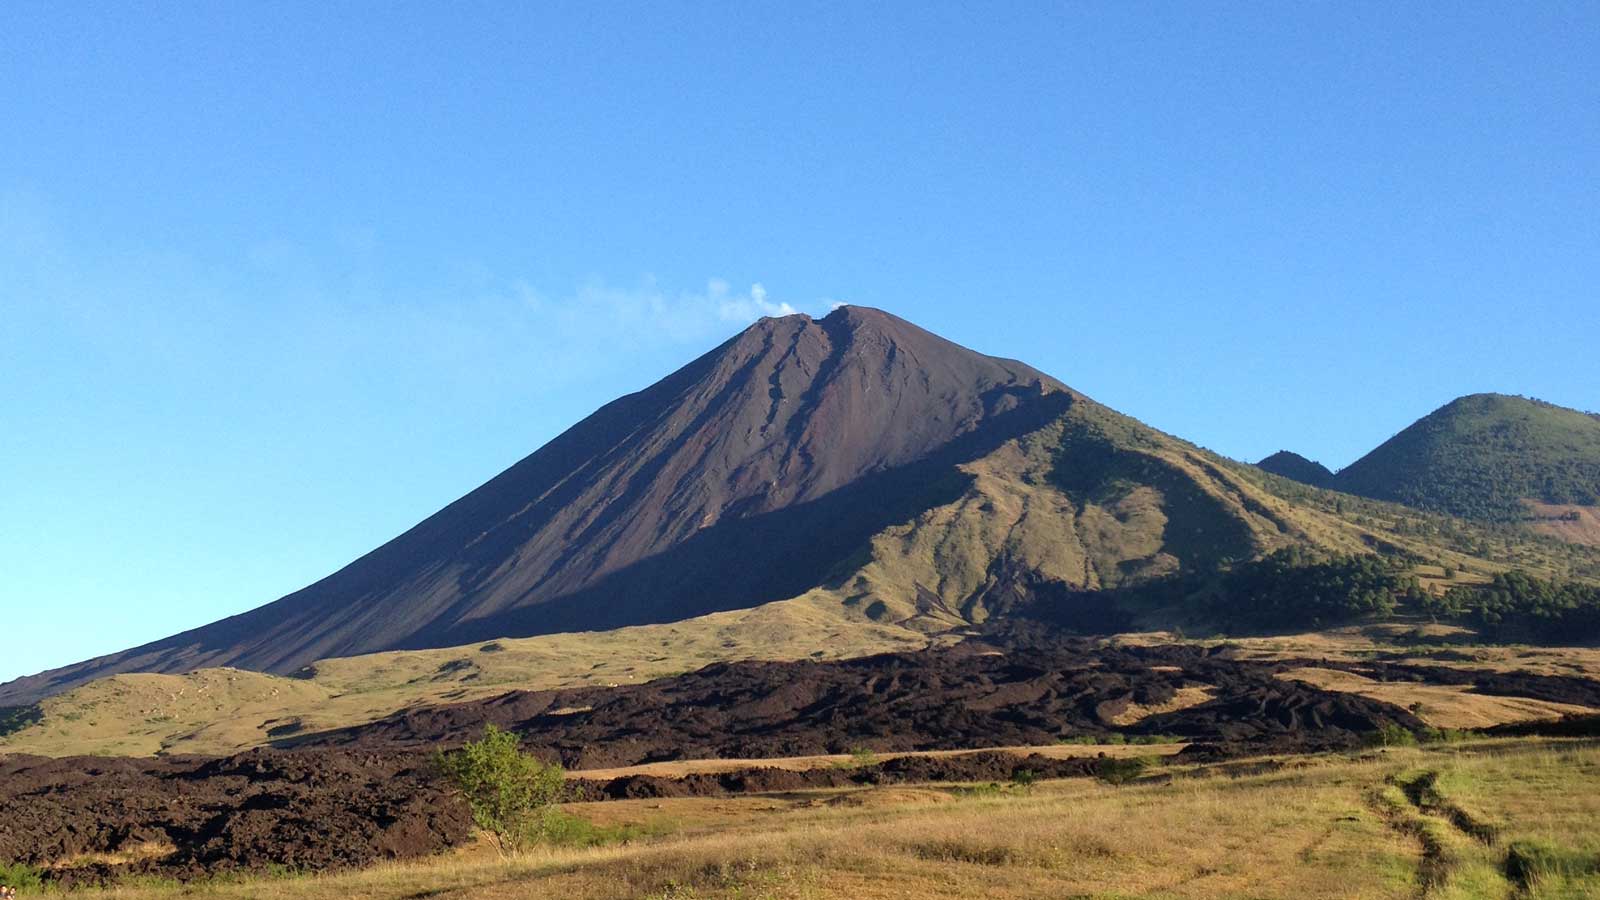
(862,757)
(512,794)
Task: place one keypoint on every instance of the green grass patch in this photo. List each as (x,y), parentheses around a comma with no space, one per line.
(567,830)
(20,876)
(1532,864)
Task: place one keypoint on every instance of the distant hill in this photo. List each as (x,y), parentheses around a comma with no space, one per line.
(885,476)
(1297,468)
(1485,456)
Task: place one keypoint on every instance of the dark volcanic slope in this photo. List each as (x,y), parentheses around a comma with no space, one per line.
(1295,467)
(1480,456)
(712,475)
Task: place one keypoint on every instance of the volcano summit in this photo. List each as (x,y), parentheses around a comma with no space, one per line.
(911,479)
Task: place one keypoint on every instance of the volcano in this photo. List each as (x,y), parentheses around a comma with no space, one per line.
(857,454)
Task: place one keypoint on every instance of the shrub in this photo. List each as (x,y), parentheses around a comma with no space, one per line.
(20,876)
(1446,735)
(1391,735)
(1024,779)
(1121,771)
(512,794)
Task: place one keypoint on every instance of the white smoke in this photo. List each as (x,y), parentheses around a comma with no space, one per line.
(746,307)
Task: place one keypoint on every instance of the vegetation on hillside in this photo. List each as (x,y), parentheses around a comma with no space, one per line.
(1438,535)
(1519,606)
(1298,589)
(16,718)
(1295,588)
(1297,467)
(1481,456)
(1292,589)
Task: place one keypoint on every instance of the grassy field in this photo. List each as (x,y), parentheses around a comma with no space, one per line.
(1440,705)
(220,711)
(1486,819)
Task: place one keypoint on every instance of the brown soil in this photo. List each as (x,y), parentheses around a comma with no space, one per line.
(1575,524)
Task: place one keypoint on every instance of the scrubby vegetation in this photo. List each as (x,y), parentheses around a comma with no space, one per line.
(1295,588)
(1290,589)
(1122,770)
(16,718)
(1392,735)
(1506,542)
(20,877)
(1479,457)
(1518,606)
(512,794)
(861,757)
(1297,467)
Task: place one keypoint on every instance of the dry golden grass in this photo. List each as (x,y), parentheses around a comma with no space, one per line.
(1326,827)
(135,853)
(141,714)
(220,711)
(1133,713)
(1575,524)
(1440,705)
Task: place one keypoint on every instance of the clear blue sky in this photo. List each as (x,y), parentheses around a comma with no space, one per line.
(278,280)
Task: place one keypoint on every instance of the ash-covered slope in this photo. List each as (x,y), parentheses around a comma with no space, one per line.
(741,478)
